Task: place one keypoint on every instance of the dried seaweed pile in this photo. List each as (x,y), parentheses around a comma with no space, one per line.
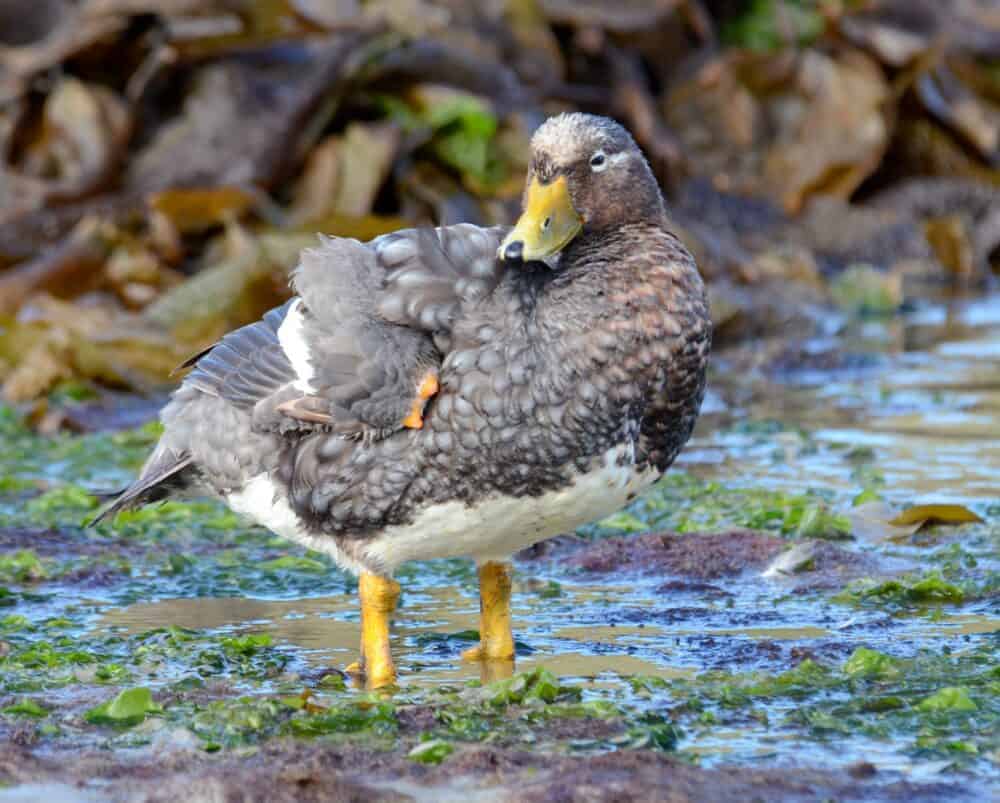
(163,161)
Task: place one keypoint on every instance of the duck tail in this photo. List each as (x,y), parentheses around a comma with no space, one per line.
(166,472)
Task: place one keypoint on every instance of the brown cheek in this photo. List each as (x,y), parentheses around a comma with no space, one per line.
(582,197)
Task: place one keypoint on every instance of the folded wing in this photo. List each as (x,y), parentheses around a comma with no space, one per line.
(359,350)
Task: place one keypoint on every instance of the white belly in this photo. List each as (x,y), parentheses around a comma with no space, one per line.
(494,529)
(260,502)
(499,526)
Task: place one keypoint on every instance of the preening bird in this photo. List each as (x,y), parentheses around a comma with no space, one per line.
(460,391)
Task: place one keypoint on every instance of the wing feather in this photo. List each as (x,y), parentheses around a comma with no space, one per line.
(373,320)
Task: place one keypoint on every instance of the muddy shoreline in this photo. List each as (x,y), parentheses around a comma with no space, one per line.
(295,772)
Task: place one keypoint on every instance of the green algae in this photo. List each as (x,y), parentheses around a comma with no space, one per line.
(22,566)
(871,694)
(431,751)
(684,503)
(129,707)
(376,718)
(245,646)
(99,460)
(236,689)
(950,698)
(927,588)
(297,563)
(539,684)
(233,722)
(64,503)
(866,663)
(25,707)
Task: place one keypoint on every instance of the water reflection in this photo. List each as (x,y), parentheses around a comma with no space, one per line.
(929,410)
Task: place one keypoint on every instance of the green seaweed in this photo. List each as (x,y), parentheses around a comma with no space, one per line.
(237,689)
(682,503)
(866,663)
(64,503)
(234,722)
(538,684)
(654,733)
(377,718)
(25,707)
(22,566)
(431,751)
(296,563)
(247,645)
(128,708)
(928,588)
(950,698)
(873,694)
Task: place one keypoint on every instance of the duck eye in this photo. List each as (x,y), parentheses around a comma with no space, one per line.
(598,161)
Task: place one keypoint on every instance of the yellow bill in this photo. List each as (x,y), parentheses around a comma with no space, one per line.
(546,226)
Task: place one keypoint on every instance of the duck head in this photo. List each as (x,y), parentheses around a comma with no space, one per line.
(586,174)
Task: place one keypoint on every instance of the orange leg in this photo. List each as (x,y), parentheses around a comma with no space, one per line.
(379,596)
(496,639)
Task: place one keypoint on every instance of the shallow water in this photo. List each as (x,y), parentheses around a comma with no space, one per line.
(915,417)
(925,411)
(927,404)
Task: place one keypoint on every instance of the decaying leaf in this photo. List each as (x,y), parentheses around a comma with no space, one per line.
(538,57)
(36,35)
(243,124)
(898,31)
(784,127)
(38,370)
(73,265)
(923,147)
(833,133)
(939,514)
(891,44)
(345,172)
(622,16)
(329,14)
(72,153)
(92,342)
(229,292)
(952,244)
(195,209)
(972,118)
(871,523)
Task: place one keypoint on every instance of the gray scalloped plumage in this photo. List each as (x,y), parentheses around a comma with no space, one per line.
(564,389)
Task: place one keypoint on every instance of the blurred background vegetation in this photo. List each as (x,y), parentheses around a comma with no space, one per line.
(162,162)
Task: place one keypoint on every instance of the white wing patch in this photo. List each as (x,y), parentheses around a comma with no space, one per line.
(293,343)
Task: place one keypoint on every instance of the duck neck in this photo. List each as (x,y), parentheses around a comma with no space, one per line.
(626,313)
(609,247)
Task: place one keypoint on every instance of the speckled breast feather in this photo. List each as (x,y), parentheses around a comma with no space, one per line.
(543,372)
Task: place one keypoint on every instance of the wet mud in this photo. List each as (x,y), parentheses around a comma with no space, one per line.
(295,772)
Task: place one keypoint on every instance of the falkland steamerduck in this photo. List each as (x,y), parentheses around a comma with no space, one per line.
(462,391)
